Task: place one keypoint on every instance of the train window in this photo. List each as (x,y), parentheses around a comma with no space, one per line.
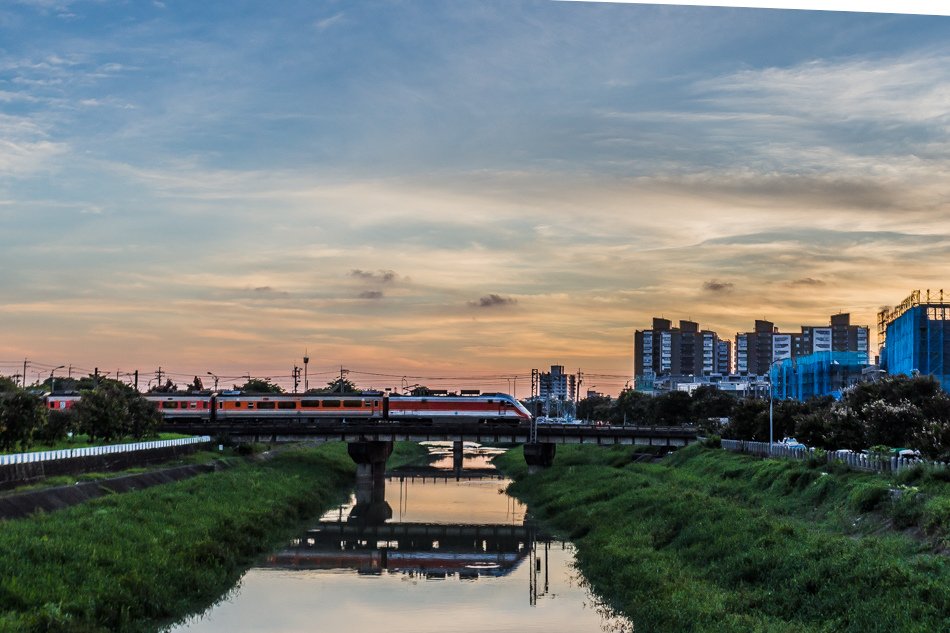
(250,405)
(310,403)
(264,405)
(237,405)
(220,405)
(286,404)
(192,405)
(375,403)
(331,403)
(353,403)
(169,405)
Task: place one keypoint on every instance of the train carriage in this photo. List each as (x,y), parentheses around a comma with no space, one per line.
(251,408)
(189,406)
(306,407)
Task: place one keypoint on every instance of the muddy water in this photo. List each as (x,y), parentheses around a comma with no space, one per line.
(440,554)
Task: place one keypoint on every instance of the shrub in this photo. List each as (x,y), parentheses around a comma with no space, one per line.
(713,441)
(866,498)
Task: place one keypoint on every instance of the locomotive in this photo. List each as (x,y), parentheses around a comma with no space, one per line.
(232,406)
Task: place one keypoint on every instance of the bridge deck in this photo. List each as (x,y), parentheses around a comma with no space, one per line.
(381,431)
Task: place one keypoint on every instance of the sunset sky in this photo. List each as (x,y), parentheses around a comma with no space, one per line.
(463,189)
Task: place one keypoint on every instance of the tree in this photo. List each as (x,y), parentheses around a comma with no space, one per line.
(594,408)
(115,410)
(673,409)
(58,424)
(7,385)
(749,421)
(340,385)
(711,402)
(259,385)
(633,407)
(168,387)
(21,414)
(896,411)
(196,385)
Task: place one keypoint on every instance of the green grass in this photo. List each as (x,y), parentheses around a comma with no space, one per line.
(712,541)
(127,562)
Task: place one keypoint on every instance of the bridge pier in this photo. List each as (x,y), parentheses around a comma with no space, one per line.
(370,458)
(458,456)
(538,455)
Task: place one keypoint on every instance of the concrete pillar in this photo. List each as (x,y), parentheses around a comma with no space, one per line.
(539,456)
(458,456)
(370,458)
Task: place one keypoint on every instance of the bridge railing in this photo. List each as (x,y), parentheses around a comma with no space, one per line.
(855,461)
(87,451)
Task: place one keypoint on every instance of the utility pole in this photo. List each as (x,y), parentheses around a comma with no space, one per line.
(342,373)
(25,362)
(158,377)
(306,361)
(136,374)
(296,377)
(95,379)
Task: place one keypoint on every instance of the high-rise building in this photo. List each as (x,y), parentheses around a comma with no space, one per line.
(916,337)
(724,358)
(754,350)
(686,350)
(556,384)
(757,351)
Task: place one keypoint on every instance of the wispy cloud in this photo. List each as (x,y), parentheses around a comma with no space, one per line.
(325,23)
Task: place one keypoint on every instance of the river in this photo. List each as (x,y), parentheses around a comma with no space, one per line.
(436,553)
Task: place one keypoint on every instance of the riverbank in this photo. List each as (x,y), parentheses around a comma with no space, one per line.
(129,562)
(712,541)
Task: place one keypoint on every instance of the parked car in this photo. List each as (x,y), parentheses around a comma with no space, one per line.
(791,442)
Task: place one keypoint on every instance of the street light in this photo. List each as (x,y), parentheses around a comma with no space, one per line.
(52,379)
(215,380)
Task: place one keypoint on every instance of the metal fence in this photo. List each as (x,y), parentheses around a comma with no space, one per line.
(856,461)
(87,451)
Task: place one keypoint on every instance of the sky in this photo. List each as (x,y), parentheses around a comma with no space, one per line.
(464,190)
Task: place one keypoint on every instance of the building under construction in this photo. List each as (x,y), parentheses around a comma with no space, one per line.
(915,337)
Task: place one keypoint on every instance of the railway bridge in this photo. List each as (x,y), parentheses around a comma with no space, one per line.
(370,441)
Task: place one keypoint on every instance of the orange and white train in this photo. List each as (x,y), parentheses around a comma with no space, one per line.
(236,406)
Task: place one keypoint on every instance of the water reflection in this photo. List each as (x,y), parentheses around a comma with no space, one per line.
(426,551)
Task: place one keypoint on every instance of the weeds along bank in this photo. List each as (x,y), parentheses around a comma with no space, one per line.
(712,541)
(126,562)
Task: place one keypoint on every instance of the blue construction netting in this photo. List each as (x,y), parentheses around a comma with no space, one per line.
(818,374)
(919,341)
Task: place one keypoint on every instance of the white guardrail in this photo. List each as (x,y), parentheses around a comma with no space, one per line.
(857,461)
(88,451)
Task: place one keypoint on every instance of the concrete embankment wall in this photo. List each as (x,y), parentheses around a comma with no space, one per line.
(12,475)
(20,505)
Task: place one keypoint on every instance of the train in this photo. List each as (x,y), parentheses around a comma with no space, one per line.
(234,406)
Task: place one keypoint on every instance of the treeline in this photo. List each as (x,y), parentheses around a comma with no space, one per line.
(896,412)
(109,410)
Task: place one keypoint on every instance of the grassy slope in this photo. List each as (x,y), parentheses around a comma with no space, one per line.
(126,561)
(711,541)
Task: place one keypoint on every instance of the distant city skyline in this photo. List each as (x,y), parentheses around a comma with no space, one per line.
(455,189)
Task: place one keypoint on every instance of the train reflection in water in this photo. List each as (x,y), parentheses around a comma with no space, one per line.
(361,537)
(431,550)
